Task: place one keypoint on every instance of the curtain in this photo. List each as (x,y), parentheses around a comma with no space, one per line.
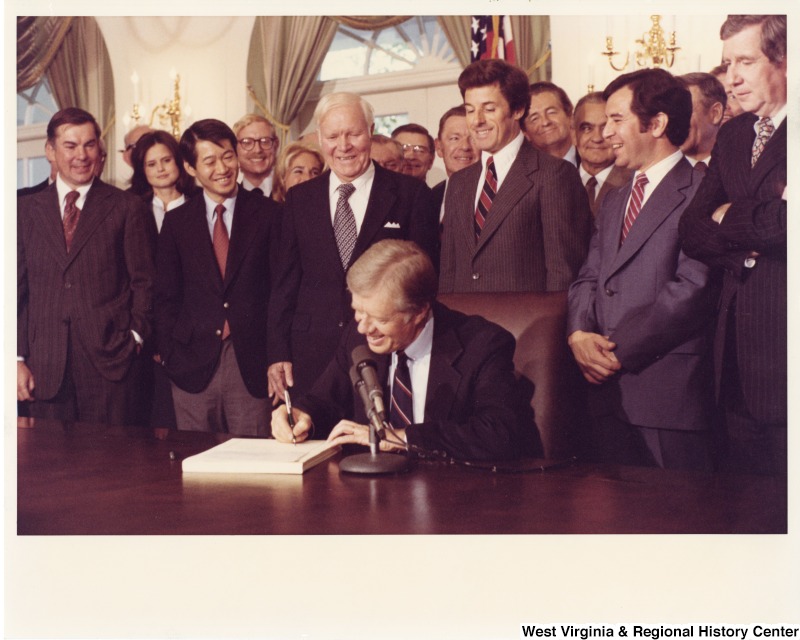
(370,22)
(80,75)
(38,40)
(286,54)
(531,42)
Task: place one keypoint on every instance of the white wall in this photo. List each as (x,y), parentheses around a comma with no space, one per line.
(210,54)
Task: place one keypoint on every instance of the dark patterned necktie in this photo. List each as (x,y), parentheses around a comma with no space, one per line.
(765,130)
(221,242)
(591,186)
(487,196)
(701,167)
(71,215)
(635,206)
(344,224)
(401,411)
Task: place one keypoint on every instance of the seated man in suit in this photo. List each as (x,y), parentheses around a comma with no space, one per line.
(519,219)
(327,223)
(450,377)
(213,289)
(640,311)
(599,173)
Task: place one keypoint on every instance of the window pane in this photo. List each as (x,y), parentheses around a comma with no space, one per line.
(386,124)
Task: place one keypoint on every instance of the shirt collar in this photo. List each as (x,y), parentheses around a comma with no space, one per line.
(63,189)
(211,205)
(265,186)
(504,158)
(777,119)
(423,343)
(360,183)
(656,173)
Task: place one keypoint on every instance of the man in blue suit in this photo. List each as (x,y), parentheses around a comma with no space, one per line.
(640,310)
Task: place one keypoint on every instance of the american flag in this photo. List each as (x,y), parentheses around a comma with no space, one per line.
(492,38)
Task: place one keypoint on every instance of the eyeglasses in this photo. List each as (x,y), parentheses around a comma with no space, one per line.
(128,147)
(264,143)
(416,148)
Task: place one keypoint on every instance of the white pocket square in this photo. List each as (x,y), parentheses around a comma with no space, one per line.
(392,225)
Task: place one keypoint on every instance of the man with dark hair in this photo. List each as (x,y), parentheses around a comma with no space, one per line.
(417,149)
(732,107)
(708,108)
(548,125)
(213,289)
(455,147)
(84,284)
(449,378)
(519,219)
(640,311)
(737,223)
(597,169)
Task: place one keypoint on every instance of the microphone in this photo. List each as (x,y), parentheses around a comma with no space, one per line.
(367,369)
(376,431)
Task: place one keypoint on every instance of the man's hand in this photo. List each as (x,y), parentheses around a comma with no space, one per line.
(719,214)
(281,430)
(25,382)
(280,378)
(349,432)
(594,355)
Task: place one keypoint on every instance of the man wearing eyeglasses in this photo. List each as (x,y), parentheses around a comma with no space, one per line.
(417,149)
(257,148)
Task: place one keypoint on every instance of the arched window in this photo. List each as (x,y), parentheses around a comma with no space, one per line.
(418,42)
(35,107)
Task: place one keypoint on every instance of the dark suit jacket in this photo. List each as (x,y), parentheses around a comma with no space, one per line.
(655,302)
(100,290)
(310,304)
(754,298)
(26,191)
(438,197)
(193,301)
(473,408)
(536,234)
(617,178)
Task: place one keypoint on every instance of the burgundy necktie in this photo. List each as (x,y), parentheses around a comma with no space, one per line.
(591,186)
(71,215)
(221,241)
(637,195)
(701,167)
(487,196)
(401,411)
(765,129)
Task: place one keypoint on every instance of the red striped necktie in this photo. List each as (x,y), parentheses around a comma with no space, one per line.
(487,196)
(635,206)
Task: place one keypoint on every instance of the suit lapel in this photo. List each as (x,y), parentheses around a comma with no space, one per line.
(447,348)
(515,185)
(244,221)
(197,234)
(50,224)
(465,201)
(381,201)
(662,202)
(95,210)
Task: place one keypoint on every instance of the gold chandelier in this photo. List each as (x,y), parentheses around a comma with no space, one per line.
(653,51)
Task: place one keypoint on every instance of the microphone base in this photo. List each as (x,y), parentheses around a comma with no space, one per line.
(375,464)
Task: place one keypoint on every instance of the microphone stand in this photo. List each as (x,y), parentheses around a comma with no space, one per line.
(374,462)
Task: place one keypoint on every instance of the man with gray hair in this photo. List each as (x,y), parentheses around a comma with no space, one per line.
(328,222)
(449,378)
(737,223)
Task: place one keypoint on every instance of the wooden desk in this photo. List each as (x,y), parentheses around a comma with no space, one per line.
(84,479)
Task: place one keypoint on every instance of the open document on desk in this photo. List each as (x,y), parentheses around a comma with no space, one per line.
(258,455)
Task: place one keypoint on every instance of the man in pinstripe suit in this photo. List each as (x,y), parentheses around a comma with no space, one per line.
(84,284)
(737,222)
(519,219)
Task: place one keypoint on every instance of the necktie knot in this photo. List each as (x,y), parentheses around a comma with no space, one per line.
(346,189)
(764,130)
(72,198)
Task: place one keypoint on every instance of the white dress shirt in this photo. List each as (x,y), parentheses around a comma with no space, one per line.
(358,199)
(419,365)
(503,160)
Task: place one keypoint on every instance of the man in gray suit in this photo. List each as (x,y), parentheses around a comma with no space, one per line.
(84,284)
(519,219)
(641,310)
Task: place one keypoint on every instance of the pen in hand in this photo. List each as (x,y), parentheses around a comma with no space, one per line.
(289,415)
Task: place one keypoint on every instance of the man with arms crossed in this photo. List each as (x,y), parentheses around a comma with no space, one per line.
(737,222)
(448,378)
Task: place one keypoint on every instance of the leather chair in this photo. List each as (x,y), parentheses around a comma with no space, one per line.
(542,357)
